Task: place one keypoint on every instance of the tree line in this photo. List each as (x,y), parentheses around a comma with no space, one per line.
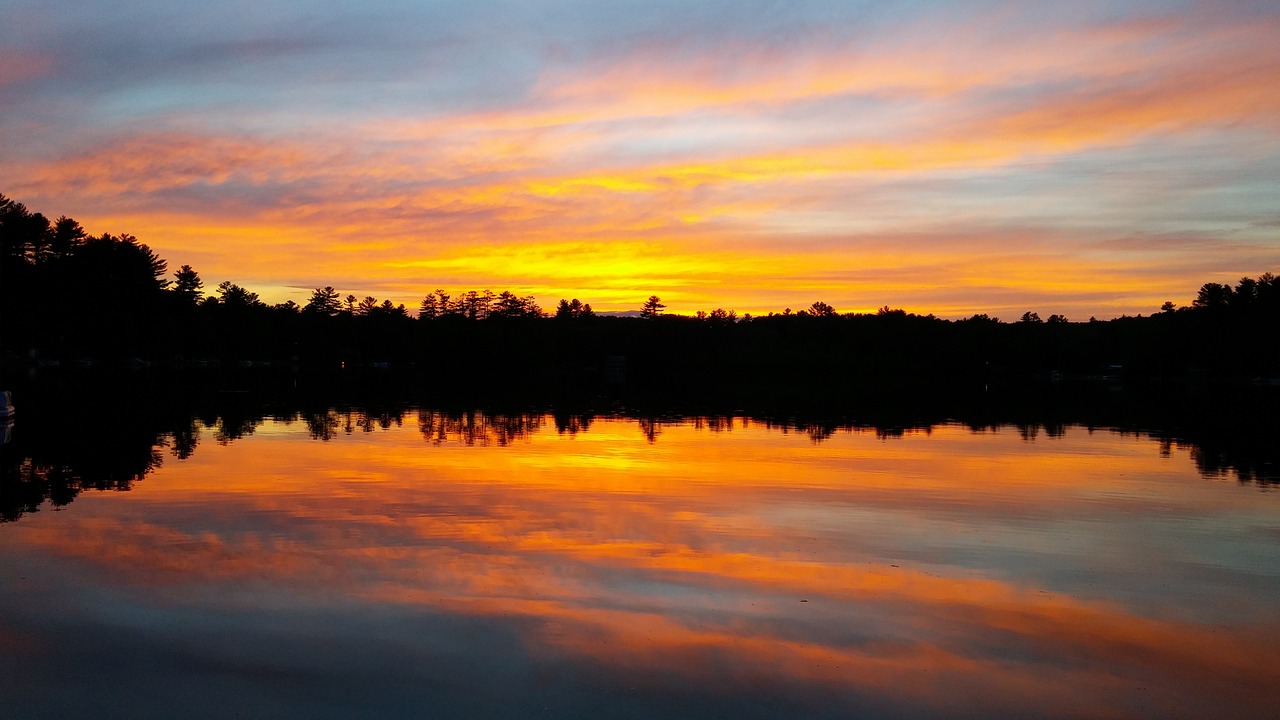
(69,296)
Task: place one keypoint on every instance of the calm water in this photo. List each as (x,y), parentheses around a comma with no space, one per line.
(420,565)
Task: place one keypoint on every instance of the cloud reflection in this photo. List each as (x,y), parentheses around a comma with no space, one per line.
(943,573)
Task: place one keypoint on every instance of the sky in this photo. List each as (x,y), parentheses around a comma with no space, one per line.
(1084,158)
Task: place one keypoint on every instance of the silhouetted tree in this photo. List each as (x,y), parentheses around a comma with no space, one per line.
(12,216)
(982,318)
(67,237)
(1212,295)
(123,263)
(1030,317)
(145,257)
(232,295)
(574,308)
(1268,291)
(821,309)
(507,305)
(1055,319)
(389,309)
(510,305)
(431,307)
(324,301)
(24,236)
(187,285)
(652,307)
(444,306)
(475,305)
(1245,293)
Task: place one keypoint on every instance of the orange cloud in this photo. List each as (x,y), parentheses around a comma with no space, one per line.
(705,178)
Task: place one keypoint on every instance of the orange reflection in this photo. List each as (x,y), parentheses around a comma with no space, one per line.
(728,553)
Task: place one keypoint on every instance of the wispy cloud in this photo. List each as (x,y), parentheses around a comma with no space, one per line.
(728,149)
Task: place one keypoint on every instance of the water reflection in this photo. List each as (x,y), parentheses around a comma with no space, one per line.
(41,466)
(392,561)
(35,468)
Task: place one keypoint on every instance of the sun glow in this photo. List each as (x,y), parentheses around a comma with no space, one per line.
(726,172)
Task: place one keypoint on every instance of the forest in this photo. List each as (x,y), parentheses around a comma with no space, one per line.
(71,299)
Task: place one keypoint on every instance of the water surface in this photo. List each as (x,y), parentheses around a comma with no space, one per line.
(421,564)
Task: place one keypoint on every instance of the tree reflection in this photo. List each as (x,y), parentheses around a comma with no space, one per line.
(651,427)
(1221,458)
(572,423)
(235,424)
(52,458)
(329,423)
(35,468)
(819,431)
(184,439)
(321,425)
(477,428)
(714,423)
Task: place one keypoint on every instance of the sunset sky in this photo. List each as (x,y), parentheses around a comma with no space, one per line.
(1085,158)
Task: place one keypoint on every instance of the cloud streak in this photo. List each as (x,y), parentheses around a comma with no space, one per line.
(784,140)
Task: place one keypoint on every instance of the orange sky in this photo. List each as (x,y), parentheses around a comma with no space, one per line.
(990,157)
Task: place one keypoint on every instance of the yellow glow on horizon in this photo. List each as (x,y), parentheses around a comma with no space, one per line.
(772,219)
(619,274)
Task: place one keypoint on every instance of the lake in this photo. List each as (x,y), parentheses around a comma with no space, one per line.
(417,563)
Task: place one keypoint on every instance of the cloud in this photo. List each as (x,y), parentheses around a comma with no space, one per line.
(811,136)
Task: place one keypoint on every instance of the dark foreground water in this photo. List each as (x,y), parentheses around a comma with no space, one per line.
(423,565)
